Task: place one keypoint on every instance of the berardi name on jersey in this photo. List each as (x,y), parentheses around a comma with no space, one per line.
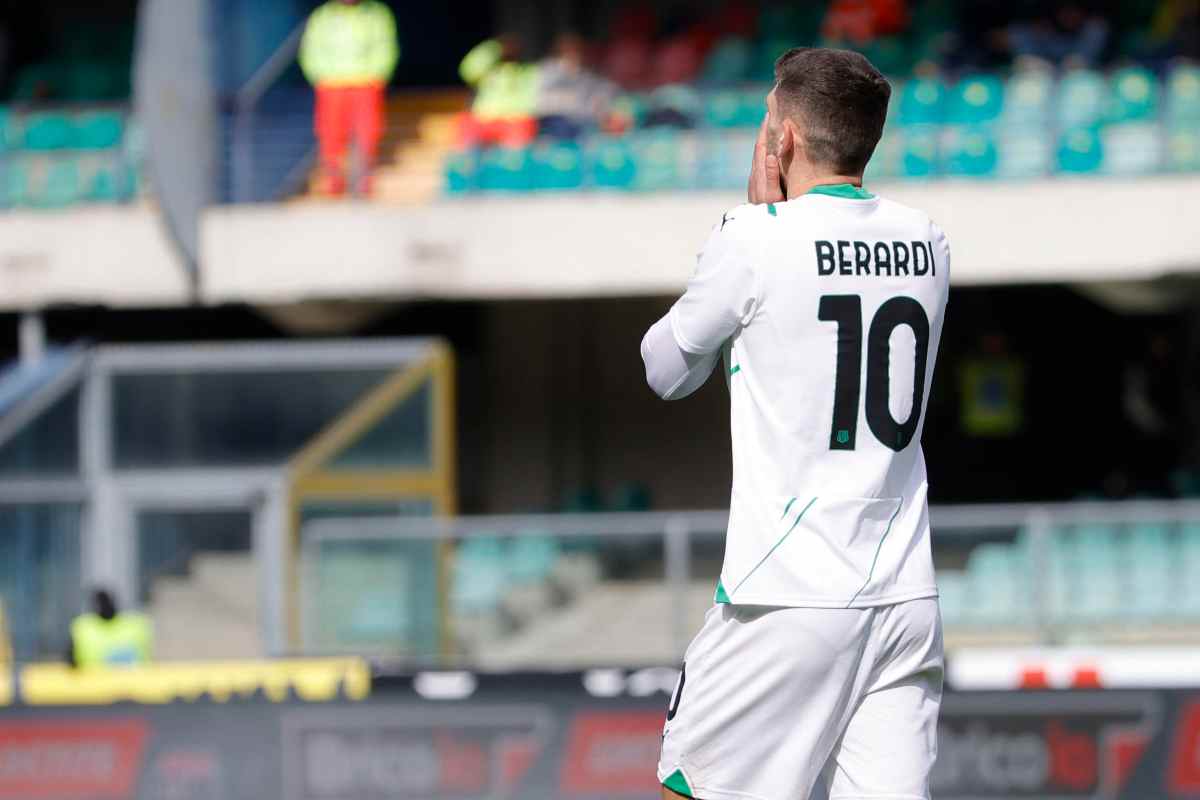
(874,258)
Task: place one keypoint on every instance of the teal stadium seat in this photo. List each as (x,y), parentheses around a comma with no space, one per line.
(557,165)
(976,99)
(730,62)
(888,160)
(923,101)
(531,558)
(1133,95)
(16,182)
(1183,147)
(1082,97)
(659,161)
(506,169)
(1061,578)
(954,597)
(1188,598)
(99,130)
(762,69)
(723,108)
(998,588)
(9,137)
(1132,148)
(1183,94)
(61,185)
(1098,594)
(969,151)
(479,576)
(461,172)
(920,158)
(611,163)
(1024,151)
(1080,151)
(1028,98)
(723,156)
(49,131)
(1149,564)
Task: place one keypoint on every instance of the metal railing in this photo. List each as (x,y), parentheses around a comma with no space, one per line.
(687,547)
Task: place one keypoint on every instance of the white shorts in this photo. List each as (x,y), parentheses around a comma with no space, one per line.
(805,703)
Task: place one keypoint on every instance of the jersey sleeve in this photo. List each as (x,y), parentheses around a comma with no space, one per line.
(941,247)
(722,294)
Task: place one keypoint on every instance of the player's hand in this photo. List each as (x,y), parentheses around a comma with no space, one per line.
(766,185)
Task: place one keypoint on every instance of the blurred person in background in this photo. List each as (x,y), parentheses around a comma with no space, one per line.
(1073,36)
(506,94)
(348,54)
(571,98)
(108,637)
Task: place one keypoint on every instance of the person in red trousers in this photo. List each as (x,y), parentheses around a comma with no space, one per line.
(348,53)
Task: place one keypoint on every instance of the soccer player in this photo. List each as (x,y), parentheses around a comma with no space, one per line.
(818,671)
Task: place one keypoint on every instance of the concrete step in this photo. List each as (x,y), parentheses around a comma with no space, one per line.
(232,578)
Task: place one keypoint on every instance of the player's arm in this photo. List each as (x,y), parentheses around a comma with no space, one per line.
(721,297)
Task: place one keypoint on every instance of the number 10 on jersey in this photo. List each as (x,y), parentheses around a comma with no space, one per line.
(846,311)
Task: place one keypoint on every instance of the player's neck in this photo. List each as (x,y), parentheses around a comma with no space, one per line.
(804,182)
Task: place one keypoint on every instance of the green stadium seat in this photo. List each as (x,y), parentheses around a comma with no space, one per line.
(1183,147)
(762,69)
(891,55)
(1082,96)
(998,589)
(49,131)
(659,165)
(1028,96)
(969,151)
(16,183)
(723,109)
(611,163)
(1080,151)
(888,160)
(1024,152)
(1097,595)
(99,130)
(723,158)
(506,169)
(1061,574)
(557,165)
(729,62)
(1133,93)
(975,99)
(479,575)
(1132,148)
(954,597)
(61,185)
(922,101)
(1183,94)
(1188,601)
(8,135)
(461,172)
(109,182)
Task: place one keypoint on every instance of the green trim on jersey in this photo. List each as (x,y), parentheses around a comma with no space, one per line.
(721,596)
(846,191)
(771,209)
(735,369)
(783,539)
(678,784)
(879,547)
(786,509)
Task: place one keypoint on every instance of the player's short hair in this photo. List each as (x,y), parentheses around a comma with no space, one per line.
(840,98)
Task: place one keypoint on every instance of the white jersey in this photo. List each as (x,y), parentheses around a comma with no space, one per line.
(829,310)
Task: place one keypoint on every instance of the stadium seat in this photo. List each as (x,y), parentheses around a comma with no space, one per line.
(1183,147)
(49,131)
(729,62)
(1132,148)
(998,589)
(723,109)
(479,576)
(1133,93)
(461,172)
(763,68)
(557,165)
(531,558)
(888,161)
(920,158)
(1023,152)
(976,99)
(611,163)
(61,185)
(1097,594)
(506,169)
(1082,96)
(8,135)
(1183,94)
(16,183)
(922,101)
(954,597)
(99,130)
(1080,150)
(1188,601)
(723,158)
(968,151)
(659,163)
(1150,562)
(1027,97)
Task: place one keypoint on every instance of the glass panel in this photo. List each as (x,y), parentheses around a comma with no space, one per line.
(47,446)
(403,438)
(40,577)
(169,541)
(228,419)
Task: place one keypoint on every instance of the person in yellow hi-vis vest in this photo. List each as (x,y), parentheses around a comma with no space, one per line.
(348,53)
(506,92)
(107,637)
